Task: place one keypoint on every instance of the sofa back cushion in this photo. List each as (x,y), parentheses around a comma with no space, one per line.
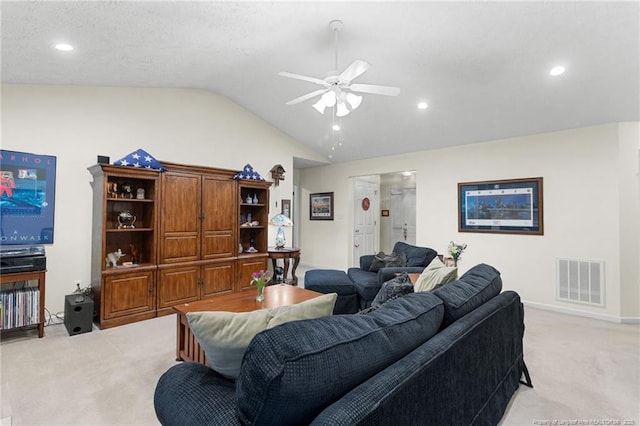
(416,256)
(292,372)
(474,288)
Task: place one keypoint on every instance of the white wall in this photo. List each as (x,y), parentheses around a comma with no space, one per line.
(629,181)
(587,213)
(75,124)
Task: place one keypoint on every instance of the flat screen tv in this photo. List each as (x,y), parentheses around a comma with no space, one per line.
(27,198)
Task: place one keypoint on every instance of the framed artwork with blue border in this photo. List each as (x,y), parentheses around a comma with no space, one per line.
(511,206)
(27,198)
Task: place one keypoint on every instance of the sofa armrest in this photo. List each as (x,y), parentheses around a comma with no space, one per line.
(192,394)
(385,274)
(366,261)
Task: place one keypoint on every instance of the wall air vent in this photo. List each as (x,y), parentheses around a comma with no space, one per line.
(580,281)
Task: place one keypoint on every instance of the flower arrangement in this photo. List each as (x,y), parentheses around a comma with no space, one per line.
(455,250)
(260,280)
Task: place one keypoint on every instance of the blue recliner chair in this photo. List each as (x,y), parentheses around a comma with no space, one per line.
(368,283)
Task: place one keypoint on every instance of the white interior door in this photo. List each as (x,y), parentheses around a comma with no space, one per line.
(409,209)
(403,215)
(365,231)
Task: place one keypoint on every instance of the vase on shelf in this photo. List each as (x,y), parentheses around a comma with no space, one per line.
(255,198)
(249,200)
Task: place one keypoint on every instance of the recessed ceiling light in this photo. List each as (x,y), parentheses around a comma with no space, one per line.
(423,105)
(559,70)
(64,47)
(336,127)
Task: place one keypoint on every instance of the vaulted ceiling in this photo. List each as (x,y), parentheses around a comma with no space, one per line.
(482,67)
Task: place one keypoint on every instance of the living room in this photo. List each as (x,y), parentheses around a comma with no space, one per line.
(590,172)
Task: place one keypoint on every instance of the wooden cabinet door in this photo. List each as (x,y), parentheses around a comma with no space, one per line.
(246,267)
(180,217)
(128,294)
(219,211)
(178,285)
(217,278)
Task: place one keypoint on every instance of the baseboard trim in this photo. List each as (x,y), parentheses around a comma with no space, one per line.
(579,313)
(312,266)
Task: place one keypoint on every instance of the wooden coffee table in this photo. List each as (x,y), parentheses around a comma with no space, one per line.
(187,347)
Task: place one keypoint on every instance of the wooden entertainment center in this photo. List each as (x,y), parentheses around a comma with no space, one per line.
(180,235)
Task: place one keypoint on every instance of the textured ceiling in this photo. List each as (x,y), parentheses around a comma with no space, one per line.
(481,66)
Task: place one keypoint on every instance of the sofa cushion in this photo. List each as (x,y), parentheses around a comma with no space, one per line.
(365,282)
(290,373)
(474,288)
(396,287)
(382,260)
(416,256)
(224,336)
(435,275)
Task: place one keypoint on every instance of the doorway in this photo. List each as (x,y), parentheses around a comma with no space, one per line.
(391,216)
(398,203)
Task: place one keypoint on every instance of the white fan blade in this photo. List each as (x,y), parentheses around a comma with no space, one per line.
(358,67)
(375,89)
(307,96)
(304,78)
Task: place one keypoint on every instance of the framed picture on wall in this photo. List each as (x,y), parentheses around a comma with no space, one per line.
(321,206)
(28,183)
(286,208)
(512,206)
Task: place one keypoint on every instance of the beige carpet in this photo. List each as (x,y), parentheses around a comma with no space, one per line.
(582,370)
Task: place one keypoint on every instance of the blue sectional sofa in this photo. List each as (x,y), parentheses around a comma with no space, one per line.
(453,356)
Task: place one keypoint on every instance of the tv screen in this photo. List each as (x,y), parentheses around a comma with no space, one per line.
(27,198)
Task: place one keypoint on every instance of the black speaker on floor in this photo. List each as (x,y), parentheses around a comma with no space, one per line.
(78,314)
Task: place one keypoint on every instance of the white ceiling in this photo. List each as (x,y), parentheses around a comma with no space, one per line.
(481,66)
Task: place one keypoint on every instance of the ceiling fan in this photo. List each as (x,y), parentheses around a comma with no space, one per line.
(337,88)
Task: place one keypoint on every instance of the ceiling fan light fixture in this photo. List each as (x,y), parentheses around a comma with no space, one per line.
(354,100)
(341,109)
(329,98)
(320,106)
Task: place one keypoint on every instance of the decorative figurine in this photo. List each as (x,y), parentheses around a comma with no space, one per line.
(112,190)
(135,254)
(113,258)
(140,194)
(126,220)
(127,190)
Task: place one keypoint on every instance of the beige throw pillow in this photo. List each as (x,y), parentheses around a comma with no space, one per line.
(224,336)
(435,275)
